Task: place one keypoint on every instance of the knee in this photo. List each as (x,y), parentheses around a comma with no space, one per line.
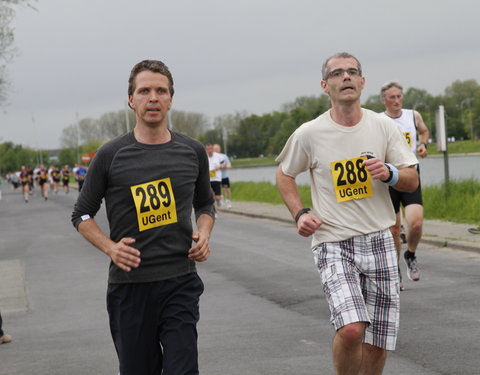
(416,225)
(395,230)
(352,334)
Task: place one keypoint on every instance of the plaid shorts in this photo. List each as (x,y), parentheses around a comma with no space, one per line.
(361,283)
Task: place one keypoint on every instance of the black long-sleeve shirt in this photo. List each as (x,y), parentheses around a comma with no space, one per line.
(149,192)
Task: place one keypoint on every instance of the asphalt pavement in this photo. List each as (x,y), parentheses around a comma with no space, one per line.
(260,310)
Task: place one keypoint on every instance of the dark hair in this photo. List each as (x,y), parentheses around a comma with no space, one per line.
(343,55)
(155,66)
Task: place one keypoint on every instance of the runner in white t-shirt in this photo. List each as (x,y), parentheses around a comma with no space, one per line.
(353,156)
(225,166)
(215,164)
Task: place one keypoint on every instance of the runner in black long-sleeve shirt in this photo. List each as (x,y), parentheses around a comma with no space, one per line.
(150,178)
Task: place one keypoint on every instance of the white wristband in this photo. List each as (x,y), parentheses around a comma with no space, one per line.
(392,181)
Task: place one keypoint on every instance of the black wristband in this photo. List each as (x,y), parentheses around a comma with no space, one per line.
(300,213)
(390,176)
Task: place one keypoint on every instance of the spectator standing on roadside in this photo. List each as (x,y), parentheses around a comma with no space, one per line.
(353,155)
(215,166)
(150,178)
(411,124)
(224,167)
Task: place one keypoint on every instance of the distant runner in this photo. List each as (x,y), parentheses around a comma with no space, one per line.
(411,124)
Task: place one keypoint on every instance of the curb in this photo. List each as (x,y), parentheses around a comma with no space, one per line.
(436,241)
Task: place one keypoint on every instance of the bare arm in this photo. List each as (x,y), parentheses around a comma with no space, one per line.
(121,253)
(201,251)
(408,180)
(423,135)
(307,223)
(408,177)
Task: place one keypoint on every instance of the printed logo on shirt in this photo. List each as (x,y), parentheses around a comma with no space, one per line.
(155,204)
(351,180)
(408,137)
(213,173)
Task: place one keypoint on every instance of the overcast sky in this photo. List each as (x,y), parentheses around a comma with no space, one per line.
(225,56)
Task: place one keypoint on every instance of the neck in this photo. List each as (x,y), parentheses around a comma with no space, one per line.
(152,136)
(393,113)
(346,115)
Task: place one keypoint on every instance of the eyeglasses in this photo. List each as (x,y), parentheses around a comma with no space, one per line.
(352,72)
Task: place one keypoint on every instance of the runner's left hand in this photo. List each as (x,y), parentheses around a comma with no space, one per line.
(201,251)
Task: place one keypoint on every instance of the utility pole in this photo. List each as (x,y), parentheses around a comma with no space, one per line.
(442,142)
(39,153)
(78,137)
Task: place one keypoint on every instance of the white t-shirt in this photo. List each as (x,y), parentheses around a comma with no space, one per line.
(226,161)
(406,124)
(214,163)
(344,196)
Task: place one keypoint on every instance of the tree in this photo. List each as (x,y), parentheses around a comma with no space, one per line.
(463,97)
(67,156)
(314,105)
(12,157)
(113,124)
(374,103)
(70,137)
(192,124)
(7,37)
(225,126)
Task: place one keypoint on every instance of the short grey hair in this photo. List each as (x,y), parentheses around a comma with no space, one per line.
(389,85)
(341,55)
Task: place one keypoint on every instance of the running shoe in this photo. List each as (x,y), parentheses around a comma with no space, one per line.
(413,271)
(474,230)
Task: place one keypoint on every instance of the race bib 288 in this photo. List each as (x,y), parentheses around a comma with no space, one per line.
(351,180)
(154,203)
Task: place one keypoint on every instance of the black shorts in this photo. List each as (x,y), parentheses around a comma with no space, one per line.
(406,198)
(154,325)
(226,182)
(216,187)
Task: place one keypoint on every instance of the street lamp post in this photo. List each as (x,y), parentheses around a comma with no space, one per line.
(77,117)
(39,153)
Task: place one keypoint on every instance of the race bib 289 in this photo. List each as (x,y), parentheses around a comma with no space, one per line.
(154,203)
(351,180)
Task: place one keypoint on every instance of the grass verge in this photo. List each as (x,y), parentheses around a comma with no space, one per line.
(461,204)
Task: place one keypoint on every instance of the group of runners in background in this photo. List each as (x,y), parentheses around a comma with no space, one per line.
(53,178)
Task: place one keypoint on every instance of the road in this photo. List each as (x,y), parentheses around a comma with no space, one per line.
(263,311)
